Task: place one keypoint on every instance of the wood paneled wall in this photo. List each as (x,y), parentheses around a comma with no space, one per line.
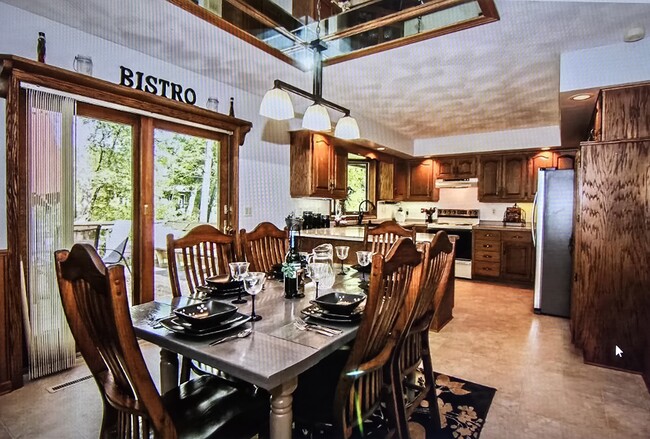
(611,304)
(5,377)
(625,113)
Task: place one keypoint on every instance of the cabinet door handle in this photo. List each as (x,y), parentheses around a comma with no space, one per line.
(487,235)
(487,256)
(487,245)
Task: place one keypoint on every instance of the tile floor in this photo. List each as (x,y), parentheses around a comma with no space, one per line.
(543,388)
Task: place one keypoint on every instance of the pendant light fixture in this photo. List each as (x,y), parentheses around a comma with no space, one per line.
(277,105)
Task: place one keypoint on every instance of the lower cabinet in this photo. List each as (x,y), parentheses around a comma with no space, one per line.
(503,255)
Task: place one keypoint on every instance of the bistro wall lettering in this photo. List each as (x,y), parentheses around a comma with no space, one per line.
(156,86)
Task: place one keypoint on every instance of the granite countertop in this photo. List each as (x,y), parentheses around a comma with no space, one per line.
(498,225)
(350,233)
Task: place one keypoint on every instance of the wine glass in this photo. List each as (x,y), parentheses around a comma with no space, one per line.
(253,283)
(342,253)
(237,271)
(317,271)
(364,258)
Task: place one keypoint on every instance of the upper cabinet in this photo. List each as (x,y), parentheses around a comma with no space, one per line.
(503,178)
(385,181)
(421,181)
(628,114)
(318,166)
(456,167)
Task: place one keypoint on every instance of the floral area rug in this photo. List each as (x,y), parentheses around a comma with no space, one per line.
(463,408)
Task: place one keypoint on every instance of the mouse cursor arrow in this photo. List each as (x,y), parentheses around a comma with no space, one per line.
(618,351)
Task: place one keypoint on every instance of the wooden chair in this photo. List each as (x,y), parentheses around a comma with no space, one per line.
(95,302)
(379,239)
(264,247)
(205,251)
(413,345)
(347,387)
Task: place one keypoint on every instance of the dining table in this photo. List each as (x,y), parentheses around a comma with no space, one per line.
(272,357)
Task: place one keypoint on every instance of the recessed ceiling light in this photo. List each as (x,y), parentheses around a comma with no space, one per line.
(634,34)
(580,97)
(381,149)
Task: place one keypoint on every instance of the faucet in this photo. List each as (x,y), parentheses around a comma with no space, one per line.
(360,217)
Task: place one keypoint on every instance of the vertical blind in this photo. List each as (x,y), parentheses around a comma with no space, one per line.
(50,216)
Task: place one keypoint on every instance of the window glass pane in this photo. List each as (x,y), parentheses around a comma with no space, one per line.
(186,193)
(357,186)
(103,189)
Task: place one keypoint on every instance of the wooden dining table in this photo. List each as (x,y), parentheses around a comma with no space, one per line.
(272,357)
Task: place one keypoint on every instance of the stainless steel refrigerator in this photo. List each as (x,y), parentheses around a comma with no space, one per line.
(552,231)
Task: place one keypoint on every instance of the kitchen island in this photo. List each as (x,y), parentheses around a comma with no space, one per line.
(352,236)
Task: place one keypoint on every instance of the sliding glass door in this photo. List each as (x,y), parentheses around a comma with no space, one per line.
(187,189)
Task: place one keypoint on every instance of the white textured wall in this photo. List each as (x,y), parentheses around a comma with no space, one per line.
(492,141)
(607,65)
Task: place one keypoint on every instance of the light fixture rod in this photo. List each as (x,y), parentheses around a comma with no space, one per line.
(311,96)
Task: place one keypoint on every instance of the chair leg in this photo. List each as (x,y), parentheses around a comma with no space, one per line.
(395,403)
(429,375)
(186,367)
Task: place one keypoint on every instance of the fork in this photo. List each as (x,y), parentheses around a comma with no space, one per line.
(334,331)
(240,334)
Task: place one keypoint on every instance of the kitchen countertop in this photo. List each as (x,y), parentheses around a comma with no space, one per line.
(351,233)
(498,225)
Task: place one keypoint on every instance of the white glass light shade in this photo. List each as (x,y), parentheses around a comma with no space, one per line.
(277,105)
(347,128)
(316,118)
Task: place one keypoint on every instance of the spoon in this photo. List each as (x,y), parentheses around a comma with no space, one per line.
(240,334)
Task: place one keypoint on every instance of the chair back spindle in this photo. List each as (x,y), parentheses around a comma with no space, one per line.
(381,238)
(203,252)
(264,246)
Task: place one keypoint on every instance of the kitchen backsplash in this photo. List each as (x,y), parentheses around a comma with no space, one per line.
(450,198)
(453,198)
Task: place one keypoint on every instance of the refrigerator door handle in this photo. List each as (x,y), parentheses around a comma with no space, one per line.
(533,230)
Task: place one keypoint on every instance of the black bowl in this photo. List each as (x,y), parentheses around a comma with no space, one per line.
(222,283)
(339,303)
(206,314)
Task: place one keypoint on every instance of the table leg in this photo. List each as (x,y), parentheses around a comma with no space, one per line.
(168,370)
(281,409)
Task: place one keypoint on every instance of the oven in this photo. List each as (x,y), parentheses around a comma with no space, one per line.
(463,249)
(459,222)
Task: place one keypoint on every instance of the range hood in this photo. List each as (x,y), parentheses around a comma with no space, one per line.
(457,183)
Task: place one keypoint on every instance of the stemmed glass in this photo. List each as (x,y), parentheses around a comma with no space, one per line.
(317,271)
(364,258)
(342,253)
(253,283)
(237,272)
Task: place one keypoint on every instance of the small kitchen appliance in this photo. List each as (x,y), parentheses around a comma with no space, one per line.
(514,215)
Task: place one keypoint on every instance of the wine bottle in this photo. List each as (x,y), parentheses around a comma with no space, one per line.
(292,266)
(231,111)
(40,47)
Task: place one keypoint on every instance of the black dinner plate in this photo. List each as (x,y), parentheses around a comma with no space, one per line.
(318,313)
(176,325)
(217,293)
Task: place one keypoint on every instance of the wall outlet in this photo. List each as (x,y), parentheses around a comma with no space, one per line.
(494,211)
(248,211)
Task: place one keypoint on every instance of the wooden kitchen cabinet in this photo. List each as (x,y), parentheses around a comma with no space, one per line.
(318,166)
(504,255)
(400,180)
(537,161)
(503,178)
(518,256)
(385,181)
(456,167)
(565,159)
(421,181)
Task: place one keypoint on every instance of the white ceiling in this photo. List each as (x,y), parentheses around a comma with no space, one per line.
(499,76)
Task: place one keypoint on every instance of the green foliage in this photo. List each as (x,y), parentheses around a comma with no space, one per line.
(357,186)
(182,165)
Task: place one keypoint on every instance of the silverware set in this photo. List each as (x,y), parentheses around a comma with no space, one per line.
(320,329)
